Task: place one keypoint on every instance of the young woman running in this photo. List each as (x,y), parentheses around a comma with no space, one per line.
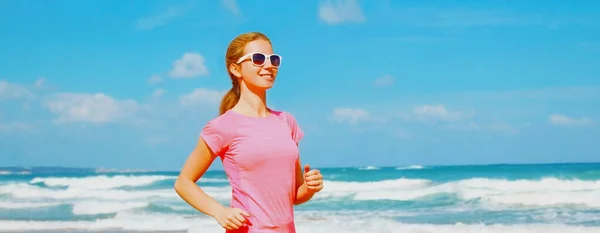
(257,145)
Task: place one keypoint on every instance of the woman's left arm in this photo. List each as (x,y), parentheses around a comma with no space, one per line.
(308,182)
(302,193)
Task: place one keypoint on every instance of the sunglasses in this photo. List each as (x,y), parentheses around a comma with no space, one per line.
(259,59)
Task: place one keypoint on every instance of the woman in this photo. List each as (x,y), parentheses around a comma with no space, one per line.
(257,145)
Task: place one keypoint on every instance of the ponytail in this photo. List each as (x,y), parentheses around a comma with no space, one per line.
(230,99)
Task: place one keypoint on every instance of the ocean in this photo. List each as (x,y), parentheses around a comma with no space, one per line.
(545,198)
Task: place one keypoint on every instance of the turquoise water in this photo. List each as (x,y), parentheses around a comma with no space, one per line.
(491,198)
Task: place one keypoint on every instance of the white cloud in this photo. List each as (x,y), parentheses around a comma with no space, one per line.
(40,82)
(154,140)
(464,17)
(159,19)
(402,133)
(95,108)
(201,96)
(437,113)
(457,120)
(562,120)
(340,11)
(411,39)
(350,115)
(232,6)
(14,91)
(190,65)
(158,93)
(11,127)
(386,80)
(574,93)
(14,126)
(500,127)
(155,79)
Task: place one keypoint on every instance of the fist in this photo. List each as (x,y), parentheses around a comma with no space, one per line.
(313,179)
(232,218)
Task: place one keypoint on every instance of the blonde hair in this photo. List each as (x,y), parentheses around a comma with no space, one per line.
(234,52)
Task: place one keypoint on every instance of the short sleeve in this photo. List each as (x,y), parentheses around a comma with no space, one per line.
(215,137)
(297,132)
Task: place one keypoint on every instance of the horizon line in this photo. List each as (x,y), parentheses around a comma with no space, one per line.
(320,167)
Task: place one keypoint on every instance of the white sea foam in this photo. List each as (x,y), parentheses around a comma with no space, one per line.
(179,207)
(536,195)
(116,170)
(305,224)
(491,193)
(369,168)
(412,167)
(212,180)
(26,205)
(31,192)
(129,205)
(340,188)
(100,182)
(2,172)
(94,201)
(26,191)
(545,192)
(105,207)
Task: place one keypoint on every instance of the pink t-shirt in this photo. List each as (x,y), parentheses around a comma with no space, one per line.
(259,156)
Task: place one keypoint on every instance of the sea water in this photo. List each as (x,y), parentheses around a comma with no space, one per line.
(548,198)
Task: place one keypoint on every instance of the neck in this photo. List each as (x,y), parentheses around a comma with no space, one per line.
(252,102)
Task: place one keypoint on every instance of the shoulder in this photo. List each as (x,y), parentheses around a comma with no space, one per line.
(289,118)
(222,119)
(217,133)
(222,124)
(286,116)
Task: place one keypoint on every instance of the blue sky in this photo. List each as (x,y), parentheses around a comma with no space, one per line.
(387,83)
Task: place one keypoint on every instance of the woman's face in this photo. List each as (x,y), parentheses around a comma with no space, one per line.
(259,68)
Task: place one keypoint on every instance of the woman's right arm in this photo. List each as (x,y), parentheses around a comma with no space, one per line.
(195,166)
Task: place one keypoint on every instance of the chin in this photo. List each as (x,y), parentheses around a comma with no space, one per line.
(266,87)
(264,84)
(260,83)
(261,86)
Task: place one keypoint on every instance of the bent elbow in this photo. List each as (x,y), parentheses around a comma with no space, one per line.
(178,185)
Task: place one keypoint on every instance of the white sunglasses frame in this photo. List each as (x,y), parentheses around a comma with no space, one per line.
(267,57)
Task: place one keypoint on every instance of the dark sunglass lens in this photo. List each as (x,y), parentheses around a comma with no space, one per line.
(258,59)
(275,60)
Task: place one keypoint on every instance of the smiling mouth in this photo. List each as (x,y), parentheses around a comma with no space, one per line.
(266,75)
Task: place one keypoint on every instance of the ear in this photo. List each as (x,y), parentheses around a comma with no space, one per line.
(235,70)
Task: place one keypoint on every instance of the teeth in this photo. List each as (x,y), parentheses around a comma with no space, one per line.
(265,75)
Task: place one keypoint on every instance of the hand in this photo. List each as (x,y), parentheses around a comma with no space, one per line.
(313,179)
(232,218)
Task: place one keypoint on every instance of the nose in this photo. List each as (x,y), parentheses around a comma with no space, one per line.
(268,64)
